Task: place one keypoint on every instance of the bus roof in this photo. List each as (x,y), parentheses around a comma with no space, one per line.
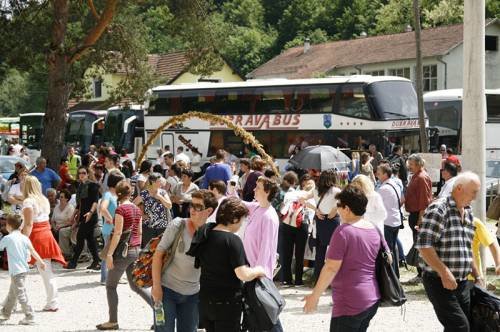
(281,82)
(135,107)
(9,119)
(94,112)
(452,94)
(31,114)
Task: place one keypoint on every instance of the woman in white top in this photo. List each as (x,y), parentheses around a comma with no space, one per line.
(15,196)
(181,195)
(326,218)
(36,209)
(375,210)
(62,220)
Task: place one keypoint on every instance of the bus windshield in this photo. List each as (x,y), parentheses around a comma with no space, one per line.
(393,100)
(445,114)
(31,128)
(79,130)
(493,107)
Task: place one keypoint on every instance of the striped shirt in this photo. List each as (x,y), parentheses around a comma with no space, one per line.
(442,229)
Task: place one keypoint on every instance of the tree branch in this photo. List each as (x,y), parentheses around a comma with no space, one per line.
(96,33)
(93,10)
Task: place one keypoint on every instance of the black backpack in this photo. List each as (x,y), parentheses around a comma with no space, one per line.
(485,311)
(262,304)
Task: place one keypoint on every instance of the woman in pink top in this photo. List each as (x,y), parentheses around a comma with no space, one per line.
(260,238)
(127,216)
(350,266)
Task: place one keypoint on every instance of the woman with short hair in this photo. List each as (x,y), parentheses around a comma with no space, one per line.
(181,195)
(350,266)
(221,256)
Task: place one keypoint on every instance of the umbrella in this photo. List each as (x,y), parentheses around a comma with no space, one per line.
(320,157)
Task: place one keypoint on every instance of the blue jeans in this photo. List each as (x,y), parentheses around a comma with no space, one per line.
(104,269)
(180,308)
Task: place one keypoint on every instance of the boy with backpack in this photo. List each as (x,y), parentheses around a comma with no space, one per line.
(19,248)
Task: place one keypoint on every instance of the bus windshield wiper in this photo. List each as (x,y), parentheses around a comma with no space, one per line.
(394,113)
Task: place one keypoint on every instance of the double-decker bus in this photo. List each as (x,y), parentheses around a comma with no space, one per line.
(30,133)
(85,128)
(124,128)
(348,112)
(444,109)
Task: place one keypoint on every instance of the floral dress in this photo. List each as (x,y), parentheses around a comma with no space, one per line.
(158,216)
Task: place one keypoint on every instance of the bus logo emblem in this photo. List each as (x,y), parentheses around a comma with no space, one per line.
(327,120)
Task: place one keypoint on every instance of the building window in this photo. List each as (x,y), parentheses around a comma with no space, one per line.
(376,72)
(430,78)
(400,72)
(97,86)
(491,43)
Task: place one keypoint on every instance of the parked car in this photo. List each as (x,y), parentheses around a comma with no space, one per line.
(7,165)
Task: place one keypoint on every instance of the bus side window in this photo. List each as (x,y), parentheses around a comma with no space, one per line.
(353,102)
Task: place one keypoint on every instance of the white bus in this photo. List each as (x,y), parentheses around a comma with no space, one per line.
(344,112)
(444,109)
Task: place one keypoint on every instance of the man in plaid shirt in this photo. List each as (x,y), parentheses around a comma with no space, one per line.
(445,245)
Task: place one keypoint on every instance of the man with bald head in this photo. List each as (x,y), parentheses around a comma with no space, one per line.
(445,245)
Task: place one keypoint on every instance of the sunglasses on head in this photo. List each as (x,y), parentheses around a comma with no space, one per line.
(196,207)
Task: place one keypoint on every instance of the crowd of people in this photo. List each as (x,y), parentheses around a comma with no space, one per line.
(232,221)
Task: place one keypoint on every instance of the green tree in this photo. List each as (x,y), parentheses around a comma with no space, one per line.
(13,90)
(67,38)
(445,12)
(394,17)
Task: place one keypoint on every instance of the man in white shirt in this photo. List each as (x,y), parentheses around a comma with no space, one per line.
(218,188)
(391,196)
(182,156)
(449,174)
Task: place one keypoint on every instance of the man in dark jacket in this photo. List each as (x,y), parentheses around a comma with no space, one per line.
(397,161)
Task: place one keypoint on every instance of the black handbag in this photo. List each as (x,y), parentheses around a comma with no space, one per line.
(412,257)
(121,249)
(391,291)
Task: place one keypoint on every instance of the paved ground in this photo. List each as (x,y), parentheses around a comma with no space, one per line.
(83,305)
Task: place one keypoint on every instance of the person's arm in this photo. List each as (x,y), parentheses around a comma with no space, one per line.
(88,215)
(328,273)
(117,233)
(28,221)
(37,257)
(56,179)
(164,200)
(246,273)
(430,257)
(156,290)
(138,200)
(495,252)
(104,211)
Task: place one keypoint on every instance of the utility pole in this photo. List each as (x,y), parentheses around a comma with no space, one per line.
(418,77)
(474,99)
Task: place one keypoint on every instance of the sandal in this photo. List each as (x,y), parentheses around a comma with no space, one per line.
(107,326)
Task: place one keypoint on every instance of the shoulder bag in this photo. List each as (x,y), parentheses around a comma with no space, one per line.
(142,274)
(121,250)
(391,291)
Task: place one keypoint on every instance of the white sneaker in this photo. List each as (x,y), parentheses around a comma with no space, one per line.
(27,321)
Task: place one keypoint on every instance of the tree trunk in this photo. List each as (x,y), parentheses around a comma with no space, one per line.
(54,124)
(419,78)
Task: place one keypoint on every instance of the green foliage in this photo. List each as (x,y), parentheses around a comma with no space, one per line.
(493,9)
(444,13)
(13,90)
(394,17)
(315,37)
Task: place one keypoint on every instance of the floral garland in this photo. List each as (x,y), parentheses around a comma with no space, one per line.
(239,131)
